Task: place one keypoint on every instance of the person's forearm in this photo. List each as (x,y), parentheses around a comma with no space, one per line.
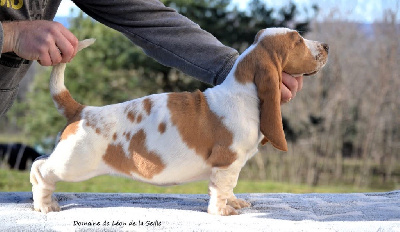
(6,35)
(165,35)
(1,38)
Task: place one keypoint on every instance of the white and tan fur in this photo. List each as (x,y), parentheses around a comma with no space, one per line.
(174,138)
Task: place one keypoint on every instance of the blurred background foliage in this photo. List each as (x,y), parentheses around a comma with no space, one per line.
(342,128)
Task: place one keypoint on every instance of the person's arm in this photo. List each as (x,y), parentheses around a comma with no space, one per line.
(7,37)
(173,40)
(165,35)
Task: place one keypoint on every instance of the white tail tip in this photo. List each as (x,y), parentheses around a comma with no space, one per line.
(85,43)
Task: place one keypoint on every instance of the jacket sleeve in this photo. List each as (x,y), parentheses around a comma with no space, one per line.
(165,35)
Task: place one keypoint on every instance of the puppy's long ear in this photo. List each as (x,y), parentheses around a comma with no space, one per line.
(268,80)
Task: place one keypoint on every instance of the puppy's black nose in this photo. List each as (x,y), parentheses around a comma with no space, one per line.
(326,47)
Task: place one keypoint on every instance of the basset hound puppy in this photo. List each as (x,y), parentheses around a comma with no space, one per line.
(174,138)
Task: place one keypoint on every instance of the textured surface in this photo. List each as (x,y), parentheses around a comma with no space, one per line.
(173,212)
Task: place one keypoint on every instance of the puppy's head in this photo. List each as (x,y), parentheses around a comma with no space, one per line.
(298,56)
(277,50)
(306,57)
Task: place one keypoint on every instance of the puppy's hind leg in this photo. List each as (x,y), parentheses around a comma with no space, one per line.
(43,182)
(222,200)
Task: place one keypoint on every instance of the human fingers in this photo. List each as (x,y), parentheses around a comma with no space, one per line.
(62,50)
(55,55)
(65,41)
(44,58)
(286,94)
(291,83)
(300,82)
(49,53)
(68,44)
(65,50)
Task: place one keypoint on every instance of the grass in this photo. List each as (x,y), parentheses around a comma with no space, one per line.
(15,181)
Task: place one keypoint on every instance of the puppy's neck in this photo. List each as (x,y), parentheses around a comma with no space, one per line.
(243,90)
(240,79)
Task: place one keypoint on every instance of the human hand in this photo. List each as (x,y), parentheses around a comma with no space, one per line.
(290,86)
(48,42)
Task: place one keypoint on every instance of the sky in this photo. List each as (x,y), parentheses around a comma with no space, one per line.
(366,11)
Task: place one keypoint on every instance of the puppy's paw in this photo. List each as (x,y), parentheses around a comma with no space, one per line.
(227,210)
(238,203)
(46,208)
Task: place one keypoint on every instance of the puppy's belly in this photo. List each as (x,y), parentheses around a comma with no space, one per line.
(166,179)
(183,171)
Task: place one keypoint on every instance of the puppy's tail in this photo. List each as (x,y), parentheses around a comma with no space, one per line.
(63,100)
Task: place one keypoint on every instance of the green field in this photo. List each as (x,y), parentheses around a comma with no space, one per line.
(15,181)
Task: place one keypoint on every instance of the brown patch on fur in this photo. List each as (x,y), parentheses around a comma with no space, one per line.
(72,110)
(128,135)
(200,128)
(162,127)
(244,72)
(70,129)
(116,158)
(131,116)
(148,163)
(139,118)
(115,136)
(68,105)
(139,160)
(147,105)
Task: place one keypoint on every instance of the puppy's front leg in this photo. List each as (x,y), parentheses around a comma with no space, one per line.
(222,200)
